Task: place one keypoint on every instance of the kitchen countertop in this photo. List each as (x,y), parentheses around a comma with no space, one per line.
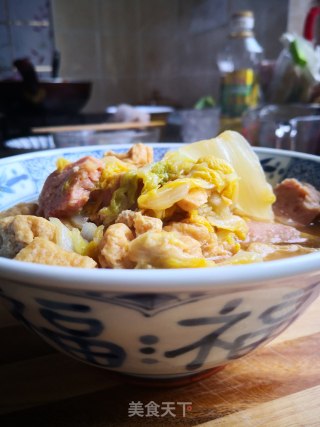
(278,385)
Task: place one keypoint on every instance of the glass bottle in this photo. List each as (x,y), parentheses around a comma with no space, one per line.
(238,63)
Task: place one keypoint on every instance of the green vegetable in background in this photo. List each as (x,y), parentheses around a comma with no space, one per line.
(297,53)
(205,102)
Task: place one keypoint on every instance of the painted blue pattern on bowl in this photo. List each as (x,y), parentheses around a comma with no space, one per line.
(16,184)
(72,322)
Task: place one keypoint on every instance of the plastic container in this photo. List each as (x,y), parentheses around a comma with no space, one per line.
(80,138)
(199,124)
(73,139)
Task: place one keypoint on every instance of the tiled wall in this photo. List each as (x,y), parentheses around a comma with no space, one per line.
(130,48)
(25,31)
(297,10)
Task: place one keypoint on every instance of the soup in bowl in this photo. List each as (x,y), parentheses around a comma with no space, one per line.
(163,271)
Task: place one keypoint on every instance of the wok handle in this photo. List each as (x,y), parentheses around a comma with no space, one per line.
(55,66)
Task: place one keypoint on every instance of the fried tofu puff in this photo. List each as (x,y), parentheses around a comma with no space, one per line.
(18,231)
(42,251)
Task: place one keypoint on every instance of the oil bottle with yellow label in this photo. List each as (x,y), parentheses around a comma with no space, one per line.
(238,63)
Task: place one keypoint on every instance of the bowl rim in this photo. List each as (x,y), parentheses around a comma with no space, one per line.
(157,280)
(72,150)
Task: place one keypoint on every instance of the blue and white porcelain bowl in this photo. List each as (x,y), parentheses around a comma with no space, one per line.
(156,325)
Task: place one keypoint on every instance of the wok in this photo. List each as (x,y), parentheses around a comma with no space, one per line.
(52,95)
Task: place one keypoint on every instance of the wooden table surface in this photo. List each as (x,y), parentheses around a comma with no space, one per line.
(278,385)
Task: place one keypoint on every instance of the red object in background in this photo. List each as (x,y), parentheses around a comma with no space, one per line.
(309,24)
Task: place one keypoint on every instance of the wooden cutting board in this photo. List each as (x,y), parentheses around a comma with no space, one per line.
(278,385)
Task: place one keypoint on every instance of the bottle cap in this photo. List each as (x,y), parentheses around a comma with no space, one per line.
(242,22)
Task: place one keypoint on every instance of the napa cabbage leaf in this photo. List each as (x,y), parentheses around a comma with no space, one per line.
(254,195)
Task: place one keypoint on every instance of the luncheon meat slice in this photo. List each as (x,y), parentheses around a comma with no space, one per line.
(297,201)
(65,192)
(268,232)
